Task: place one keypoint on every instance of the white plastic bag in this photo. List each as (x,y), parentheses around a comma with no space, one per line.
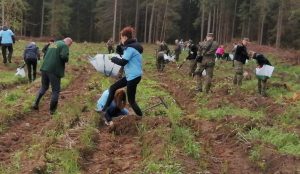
(266,70)
(103,64)
(231,56)
(169,58)
(20,72)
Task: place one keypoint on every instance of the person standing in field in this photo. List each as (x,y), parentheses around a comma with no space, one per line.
(7,38)
(207,51)
(177,50)
(240,57)
(31,56)
(44,50)
(132,62)
(110,46)
(193,49)
(53,69)
(160,60)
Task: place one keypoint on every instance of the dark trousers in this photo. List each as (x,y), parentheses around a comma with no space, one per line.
(131,91)
(31,65)
(47,79)
(10,52)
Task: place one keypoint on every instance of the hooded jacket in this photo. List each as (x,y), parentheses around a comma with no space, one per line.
(261,60)
(31,52)
(7,36)
(241,54)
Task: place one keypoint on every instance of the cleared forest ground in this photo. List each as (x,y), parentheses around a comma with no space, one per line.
(227,131)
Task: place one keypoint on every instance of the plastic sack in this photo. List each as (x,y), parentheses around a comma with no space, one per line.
(266,70)
(20,72)
(169,58)
(103,64)
(231,56)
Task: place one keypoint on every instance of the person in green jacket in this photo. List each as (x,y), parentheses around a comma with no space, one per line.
(53,70)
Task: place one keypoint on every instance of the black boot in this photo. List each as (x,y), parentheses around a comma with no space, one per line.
(35,105)
(53,106)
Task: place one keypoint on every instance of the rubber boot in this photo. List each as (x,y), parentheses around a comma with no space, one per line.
(53,106)
(35,105)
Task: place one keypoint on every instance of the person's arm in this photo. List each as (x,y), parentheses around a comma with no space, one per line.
(64,53)
(12,36)
(118,61)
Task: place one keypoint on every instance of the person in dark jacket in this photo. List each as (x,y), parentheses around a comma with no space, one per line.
(160,60)
(7,39)
(53,69)
(261,60)
(31,56)
(117,106)
(132,62)
(44,50)
(110,46)
(193,51)
(240,57)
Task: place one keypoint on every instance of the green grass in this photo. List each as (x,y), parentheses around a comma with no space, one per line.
(228,110)
(66,161)
(288,143)
(9,78)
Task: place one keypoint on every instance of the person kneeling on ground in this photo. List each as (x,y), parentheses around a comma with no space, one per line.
(31,56)
(261,60)
(116,108)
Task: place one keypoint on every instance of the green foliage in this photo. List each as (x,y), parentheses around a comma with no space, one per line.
(288,143)
(66,161)
(163,168)
(228,110)
(184,137)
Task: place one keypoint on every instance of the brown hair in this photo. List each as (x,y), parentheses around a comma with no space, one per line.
(128,32)
(120,98)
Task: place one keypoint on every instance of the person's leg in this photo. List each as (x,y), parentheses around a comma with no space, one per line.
(34,63)
(28,63)
(193,66)
(240,73)
(4,53)
(45,86)
(112,89)
(199,78)
(259,85)
(131,91)
(55,85)
(209,74)
(10,52)
(264,88)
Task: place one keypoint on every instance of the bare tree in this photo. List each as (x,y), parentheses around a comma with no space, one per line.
(115,20)
(234,18)
(137,16)
(151,22)
(279,24)
(146,21)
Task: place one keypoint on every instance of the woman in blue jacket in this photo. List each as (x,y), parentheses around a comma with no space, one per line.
(132,62)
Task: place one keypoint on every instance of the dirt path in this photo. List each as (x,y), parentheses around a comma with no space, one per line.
(118,150)
(21,132)
(224,152)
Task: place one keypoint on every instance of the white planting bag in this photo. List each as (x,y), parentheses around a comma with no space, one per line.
(103,64)
(266,70)
(169,58)
(20,72)
(231,56)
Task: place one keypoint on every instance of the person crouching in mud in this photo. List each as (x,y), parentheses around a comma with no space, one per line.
(116,108)
(132,62)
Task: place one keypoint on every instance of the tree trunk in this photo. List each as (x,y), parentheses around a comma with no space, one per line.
(209,22)
(164,23)
(120,16)
(146,20)
(202,22)
(249,19)
(42,18)
(3,19)
(279,24)
(137,17)
(151,22)
(261,33)
(115,20)
(214,21)
(233,22)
